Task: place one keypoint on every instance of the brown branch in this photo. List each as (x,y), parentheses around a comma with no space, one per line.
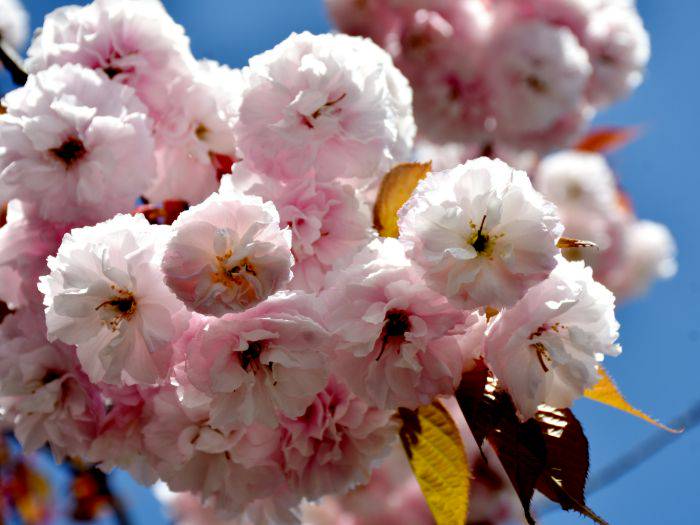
(13,63)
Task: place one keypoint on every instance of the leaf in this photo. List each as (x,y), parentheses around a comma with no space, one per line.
(166,213)
(222,164)
(477,406)
(607,393)
(522,451)
(564,478)
(565,242)
(605,140)
(436,453)
(395,190)
(548,452)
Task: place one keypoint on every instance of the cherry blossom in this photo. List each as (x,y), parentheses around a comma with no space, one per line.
(133,42)
(43,391)
(547,348)
(333,445)
(649,253)
(73,125)
(196,132)
(328,222)
(106,294)
(619,48)
(400,342)
(270,359)
(480,233)
(230,468)
(227,254)
(538,77)
(332,103)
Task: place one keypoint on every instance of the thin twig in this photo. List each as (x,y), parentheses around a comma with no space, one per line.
(13,63)
(636,456)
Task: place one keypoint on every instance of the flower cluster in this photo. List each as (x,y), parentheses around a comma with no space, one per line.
(523,73)
(191,288)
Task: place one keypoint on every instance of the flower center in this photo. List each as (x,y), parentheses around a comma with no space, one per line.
(480,240)
(323,110)
(71,151)
(118,308)
(250,357)
(542,353)
(536,84)
(201,132)
(396,324)
(239,277)
(112,71)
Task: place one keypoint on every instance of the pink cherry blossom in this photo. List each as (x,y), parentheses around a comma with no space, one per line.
(538,75)
(400,343)
(480,233)
(73,125)
(619,48)
(648,254)
(25,243)
(43,392)
(270,359)
(196,129)
(230,469)
(106,294)
(133,42)
(327,221)
(546,348)
(334,444)
(332,103)
(119,440)
(227,254)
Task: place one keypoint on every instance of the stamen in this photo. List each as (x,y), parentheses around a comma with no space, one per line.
(71,151)
(396,324)
(542,355)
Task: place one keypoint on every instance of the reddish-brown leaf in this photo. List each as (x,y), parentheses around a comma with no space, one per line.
(605,140)
(522,451)
(478,408)
(167,213)
(222,164)
(548,452)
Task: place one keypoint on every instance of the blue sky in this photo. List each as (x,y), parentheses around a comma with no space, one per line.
(659,368)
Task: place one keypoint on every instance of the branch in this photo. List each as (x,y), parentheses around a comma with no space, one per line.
(13,63)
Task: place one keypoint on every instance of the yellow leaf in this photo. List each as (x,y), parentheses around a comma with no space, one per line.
(395,190)
(606,392)
(435,451)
